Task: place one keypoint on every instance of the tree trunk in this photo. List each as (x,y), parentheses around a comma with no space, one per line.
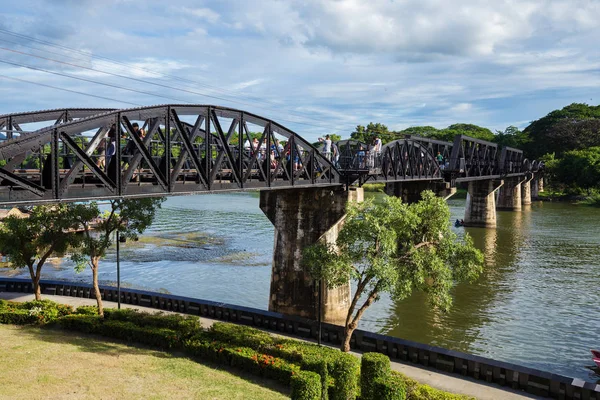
(35,280)
(96,287)
(348,331)
(36,288)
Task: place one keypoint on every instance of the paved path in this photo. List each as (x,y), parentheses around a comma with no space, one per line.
(434,378)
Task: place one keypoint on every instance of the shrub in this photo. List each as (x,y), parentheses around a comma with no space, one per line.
(186,326)
(306,385)
(318,365)
(239,335)
(81,323)
(389,387)
(345,372)
(87,310)
(17,317)
(417,391)
(374,366)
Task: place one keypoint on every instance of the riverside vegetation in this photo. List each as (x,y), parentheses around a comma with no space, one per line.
(312,372)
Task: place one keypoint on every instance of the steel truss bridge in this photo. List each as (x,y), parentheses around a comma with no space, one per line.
(81,154)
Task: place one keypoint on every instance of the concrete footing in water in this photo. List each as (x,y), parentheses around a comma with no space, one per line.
(301,217)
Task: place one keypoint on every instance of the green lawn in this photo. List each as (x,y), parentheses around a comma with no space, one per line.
(42,363)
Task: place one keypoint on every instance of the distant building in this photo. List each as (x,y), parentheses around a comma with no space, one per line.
(13,211)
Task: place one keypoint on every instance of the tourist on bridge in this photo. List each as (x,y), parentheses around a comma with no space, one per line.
(111,148)
(361,157)
(440,160)
(327,147)
(335,154)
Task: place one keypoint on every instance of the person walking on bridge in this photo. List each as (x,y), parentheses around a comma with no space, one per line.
(327,147)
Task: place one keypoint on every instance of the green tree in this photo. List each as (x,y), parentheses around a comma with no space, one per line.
(28,242)
(471,130)
(423,131)
(370,132)
(129,217)
(579,169)
(394,248)
(511,137)
(573,127)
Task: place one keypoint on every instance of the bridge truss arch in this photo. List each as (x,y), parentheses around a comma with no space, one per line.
(186,149)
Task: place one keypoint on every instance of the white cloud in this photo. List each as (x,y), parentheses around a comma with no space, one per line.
(326,63)
(202,13)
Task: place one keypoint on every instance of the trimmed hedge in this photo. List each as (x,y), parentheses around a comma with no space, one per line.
(374,366)
(319,366)
(326,361)
(32,312)
(389,387)
(18,317)
(345,373)
(245,358)
(417,391)
(306,385)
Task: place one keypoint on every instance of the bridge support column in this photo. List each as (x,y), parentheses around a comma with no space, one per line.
(509,195)
(541,184)
(301,217)
(481,203)
(526,191)
(410,192)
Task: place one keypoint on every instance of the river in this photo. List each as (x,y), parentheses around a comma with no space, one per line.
(537,303)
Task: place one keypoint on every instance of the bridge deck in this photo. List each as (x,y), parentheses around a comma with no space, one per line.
(170,149)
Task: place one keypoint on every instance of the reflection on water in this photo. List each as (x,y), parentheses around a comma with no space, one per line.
(536,304)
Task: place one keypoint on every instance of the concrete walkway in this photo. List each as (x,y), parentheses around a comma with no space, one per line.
(433,378)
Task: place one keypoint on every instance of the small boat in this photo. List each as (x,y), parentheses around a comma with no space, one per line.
(596,357)
(458,223)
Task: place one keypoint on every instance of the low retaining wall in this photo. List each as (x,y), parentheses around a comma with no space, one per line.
(531,380)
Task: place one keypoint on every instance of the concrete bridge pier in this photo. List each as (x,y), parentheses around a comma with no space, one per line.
(540,183)
(535,187)
(410,192)
(526,191)
(509,195)
(301,217)
(481,203)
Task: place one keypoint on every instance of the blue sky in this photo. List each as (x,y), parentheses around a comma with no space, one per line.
(314,66)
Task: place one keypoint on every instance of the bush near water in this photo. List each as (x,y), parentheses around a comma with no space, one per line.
(313,372)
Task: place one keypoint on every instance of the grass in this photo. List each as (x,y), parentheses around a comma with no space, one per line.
(46,363)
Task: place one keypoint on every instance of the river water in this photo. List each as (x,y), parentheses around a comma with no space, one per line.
(537,303)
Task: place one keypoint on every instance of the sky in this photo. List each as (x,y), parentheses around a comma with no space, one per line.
(314,66)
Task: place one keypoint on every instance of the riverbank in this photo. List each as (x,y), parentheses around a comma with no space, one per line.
(435,379)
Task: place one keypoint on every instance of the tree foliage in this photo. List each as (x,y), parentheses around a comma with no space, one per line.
(129,217)
(578,169)
(370,132)
(29,242)
(395,248)
(573,127)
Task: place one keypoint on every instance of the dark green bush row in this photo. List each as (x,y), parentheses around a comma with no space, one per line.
(306,386)
(374,366)
(389,387)
(32,312)
(244,358)
(417,391)
(330,364)
(18,317)
(200,345)
(157,337)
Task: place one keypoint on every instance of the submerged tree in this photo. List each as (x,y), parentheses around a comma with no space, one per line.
(394,248)
(129,217)
(29,242)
